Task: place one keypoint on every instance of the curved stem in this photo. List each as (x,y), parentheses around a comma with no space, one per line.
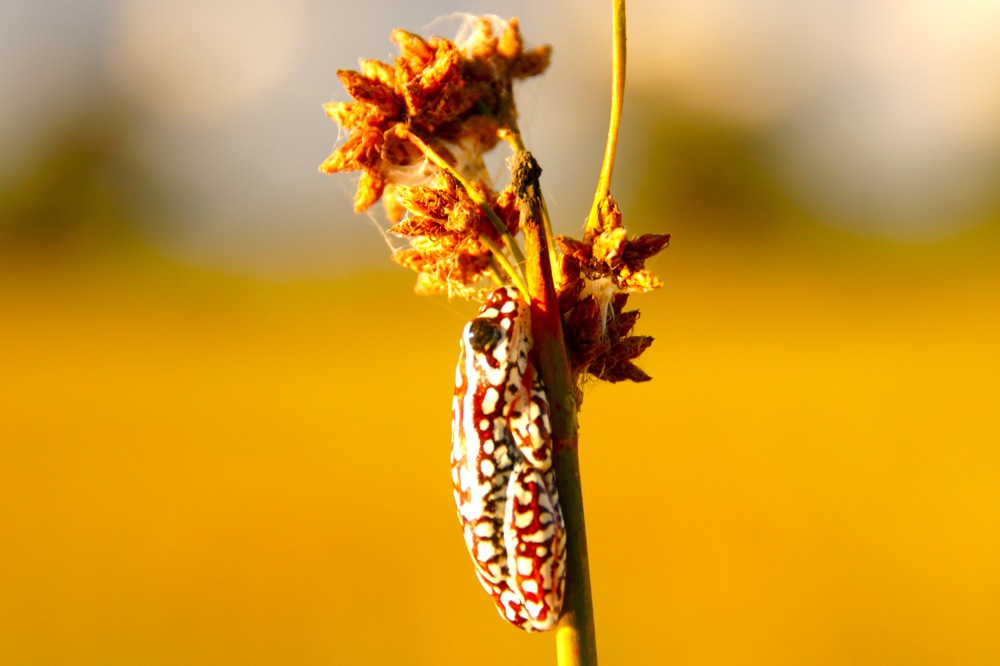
(617,100)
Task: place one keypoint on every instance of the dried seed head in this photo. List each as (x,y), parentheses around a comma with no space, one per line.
(445,92)
(596,276)
(453,98)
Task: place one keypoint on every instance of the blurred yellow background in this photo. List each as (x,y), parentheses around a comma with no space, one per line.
(224,416)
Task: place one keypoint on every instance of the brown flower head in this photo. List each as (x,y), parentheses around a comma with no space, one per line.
(454,96)
(596,276)
(417,125)
(447,230)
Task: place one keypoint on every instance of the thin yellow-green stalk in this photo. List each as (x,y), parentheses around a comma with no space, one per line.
(617,100)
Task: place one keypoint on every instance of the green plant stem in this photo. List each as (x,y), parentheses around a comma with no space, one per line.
(617,100)
(575,636)
(575,639)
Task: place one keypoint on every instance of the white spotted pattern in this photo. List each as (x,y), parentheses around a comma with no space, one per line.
(502,473)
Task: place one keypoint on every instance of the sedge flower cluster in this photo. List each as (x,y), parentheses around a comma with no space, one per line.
(418,130)
(440,104)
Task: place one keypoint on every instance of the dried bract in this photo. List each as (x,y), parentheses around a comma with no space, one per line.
(595,278)
(450,98)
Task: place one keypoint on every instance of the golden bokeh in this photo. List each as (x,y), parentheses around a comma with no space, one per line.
(225,428)
(202,469)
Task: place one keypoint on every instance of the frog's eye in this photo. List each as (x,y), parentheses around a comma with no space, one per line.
(483,335)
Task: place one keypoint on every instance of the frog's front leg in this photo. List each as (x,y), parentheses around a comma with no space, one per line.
(528,417)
